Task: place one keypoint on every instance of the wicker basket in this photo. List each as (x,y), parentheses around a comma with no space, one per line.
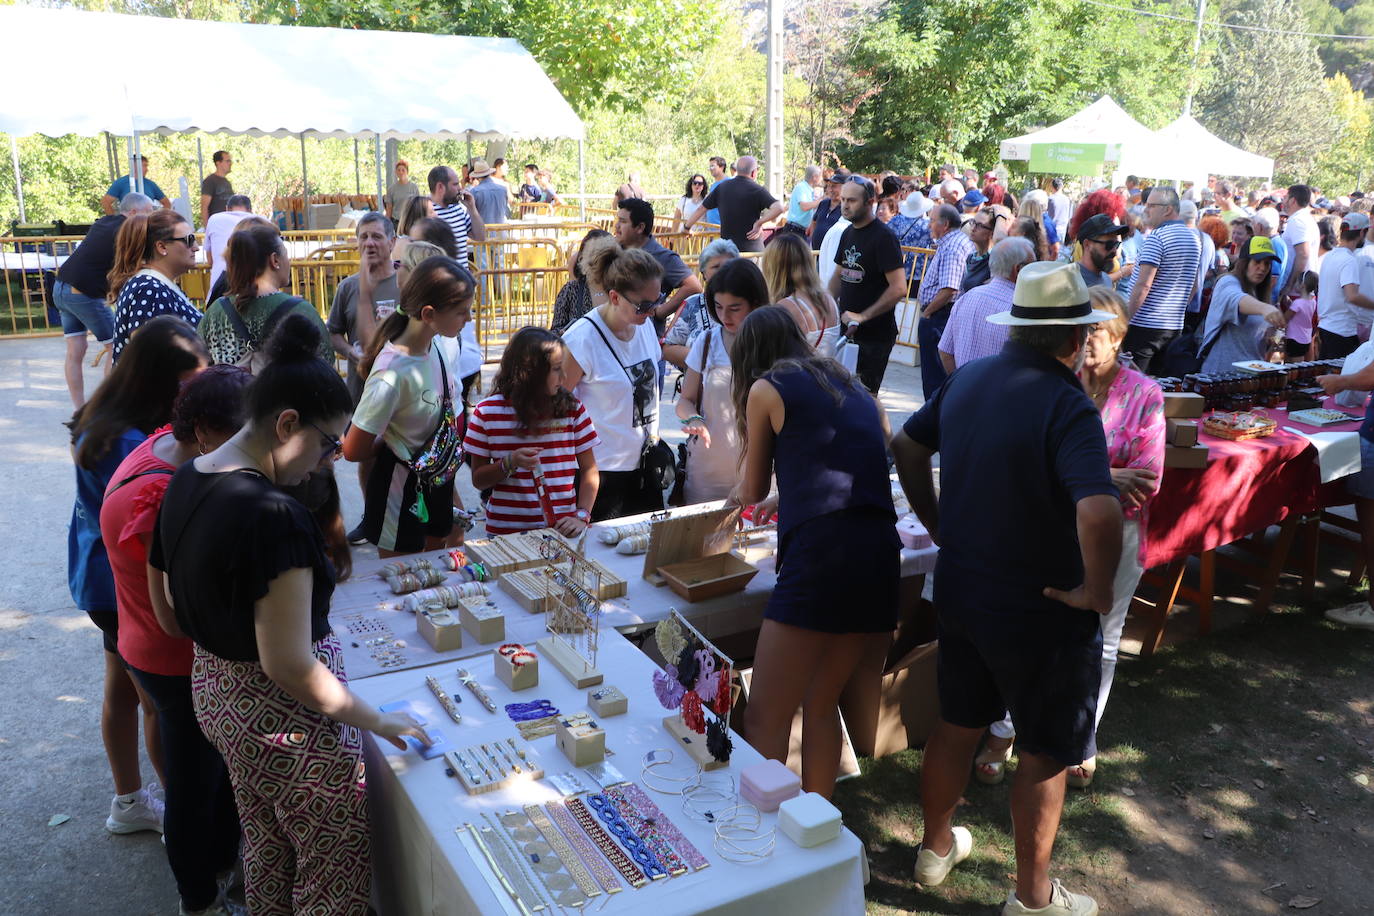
(1268,428)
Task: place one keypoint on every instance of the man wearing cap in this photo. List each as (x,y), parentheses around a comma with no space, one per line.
(493,202)
(939,286)
(1162,285)
(827,211)
(972,202)
(869,281)
(125,184)
(1028,553)
(1101,237)
(1341,306)
(745,207)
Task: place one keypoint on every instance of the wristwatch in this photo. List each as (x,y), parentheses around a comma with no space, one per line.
(582,515)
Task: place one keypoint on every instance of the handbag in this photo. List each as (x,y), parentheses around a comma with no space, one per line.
(254,360)
(656,468)
(436,463)
(678,496)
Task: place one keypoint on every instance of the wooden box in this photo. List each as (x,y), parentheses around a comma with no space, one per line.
(607,701)
(708,577)
(583,744)
(531,589)
(1195,457)
(482,619)
(1182,433)
(440,628)
(516,677)
(1183,405)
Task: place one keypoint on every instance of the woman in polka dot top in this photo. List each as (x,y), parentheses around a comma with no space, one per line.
(151,252)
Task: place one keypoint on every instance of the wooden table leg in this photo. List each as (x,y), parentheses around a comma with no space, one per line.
(1207,577)
(1274,567)
(1173,578)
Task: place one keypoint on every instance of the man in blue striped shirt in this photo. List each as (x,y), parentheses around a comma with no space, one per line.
(1165,275)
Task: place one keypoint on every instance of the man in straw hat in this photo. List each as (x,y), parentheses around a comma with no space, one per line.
(1029,526)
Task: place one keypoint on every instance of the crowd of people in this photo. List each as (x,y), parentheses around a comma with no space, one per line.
(207,538)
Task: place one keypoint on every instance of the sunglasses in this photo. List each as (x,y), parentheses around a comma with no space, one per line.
(189,240)
(647,306)
(333,443)
(697,183)
(1113,245)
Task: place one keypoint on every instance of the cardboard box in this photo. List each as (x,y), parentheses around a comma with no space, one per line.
(440,628)
(1182,433)
(1183,405)
(906,711)
(1175,457)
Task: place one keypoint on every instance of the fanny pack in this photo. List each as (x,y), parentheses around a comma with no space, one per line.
(436,463)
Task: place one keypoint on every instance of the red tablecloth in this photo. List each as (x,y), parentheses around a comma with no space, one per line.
(1246,487)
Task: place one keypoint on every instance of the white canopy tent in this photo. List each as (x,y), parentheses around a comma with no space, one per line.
(1211,155)
(1130,144)
(132,75)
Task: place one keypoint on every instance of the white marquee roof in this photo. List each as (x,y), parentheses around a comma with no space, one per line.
(86,73)
(1103,121)
(1212,155)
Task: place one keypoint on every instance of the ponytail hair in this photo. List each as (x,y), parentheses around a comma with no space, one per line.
(249,253)
(295,377)
(134,245)
(439,282)
(610,267)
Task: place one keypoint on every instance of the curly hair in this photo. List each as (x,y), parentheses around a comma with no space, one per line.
(1217,228)
(1102,200)
(523,378)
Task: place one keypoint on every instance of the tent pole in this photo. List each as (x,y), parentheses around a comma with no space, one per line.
(357,170)
(377,155)
(469,160)
(110,156)
(200,161)
(18,178)
(582,179)
(305,186)
(136,165)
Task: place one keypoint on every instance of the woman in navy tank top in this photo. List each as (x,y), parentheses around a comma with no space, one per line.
(830,619)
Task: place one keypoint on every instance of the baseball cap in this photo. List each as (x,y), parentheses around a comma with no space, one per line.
(1355,221)
(1260,246)
(974,198)
(1100,224)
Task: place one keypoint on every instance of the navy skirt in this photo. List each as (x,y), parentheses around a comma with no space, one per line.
(839,573)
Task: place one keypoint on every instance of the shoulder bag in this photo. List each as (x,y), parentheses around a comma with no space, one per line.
(254,360)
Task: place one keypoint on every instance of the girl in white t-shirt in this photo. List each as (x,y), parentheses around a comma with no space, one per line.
(532,442)
(706,407)
(691,202)
(410,416)
(789,268)
(612,368)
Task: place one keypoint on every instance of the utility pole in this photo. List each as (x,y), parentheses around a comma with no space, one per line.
(773,155)
(1197,47)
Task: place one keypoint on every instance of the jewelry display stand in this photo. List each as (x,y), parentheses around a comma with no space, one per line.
(692,741)
(574,612)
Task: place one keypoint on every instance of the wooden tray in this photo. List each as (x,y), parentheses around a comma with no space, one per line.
(708,577)
(1236,435)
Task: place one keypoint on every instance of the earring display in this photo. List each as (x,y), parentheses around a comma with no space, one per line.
(440,628)
(607,701)
(583,744)
(483,768)
(631,797)
(696,680)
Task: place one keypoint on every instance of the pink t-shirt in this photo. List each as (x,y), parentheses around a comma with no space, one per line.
(1300,325)
(1133,419)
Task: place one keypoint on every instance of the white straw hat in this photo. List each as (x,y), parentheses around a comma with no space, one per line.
(916,205)
(1050,292)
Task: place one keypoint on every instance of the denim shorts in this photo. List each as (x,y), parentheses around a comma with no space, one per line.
(81,313)
(1361,483)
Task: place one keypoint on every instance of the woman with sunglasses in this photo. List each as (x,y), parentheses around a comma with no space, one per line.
(611,366)
(152,252)
(246,575)
(690,202)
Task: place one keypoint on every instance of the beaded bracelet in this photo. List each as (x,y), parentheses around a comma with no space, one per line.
(499,844)
(542,859)
(527,712)
(584,818)
(560,845)
(647,828)
(587,850)
(631,794)
(644,856)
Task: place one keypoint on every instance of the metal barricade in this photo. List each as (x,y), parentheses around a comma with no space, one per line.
(908,310)
(28,266)
(509,298)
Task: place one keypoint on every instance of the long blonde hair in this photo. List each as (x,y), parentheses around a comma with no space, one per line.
(789,269)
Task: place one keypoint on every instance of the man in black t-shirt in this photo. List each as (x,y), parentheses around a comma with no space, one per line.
(744,205)
(215,190)
(869,281)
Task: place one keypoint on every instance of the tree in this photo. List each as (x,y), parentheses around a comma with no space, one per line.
(954,77)
(1339,55)
(1268,95)
(1343,166)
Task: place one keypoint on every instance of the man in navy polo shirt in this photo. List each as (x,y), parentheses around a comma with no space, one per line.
(1029,527)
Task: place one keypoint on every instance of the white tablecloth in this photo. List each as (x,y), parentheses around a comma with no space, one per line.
(421,866)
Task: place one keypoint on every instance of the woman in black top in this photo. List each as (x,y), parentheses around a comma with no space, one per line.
(249,581)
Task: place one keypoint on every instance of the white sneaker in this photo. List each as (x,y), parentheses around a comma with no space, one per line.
(931,869)
(1359,615)
(156,790)
(143,813)
(1062,903)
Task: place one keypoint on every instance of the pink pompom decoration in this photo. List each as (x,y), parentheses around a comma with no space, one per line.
(667,689)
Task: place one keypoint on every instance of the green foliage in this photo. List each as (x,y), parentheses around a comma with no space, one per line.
(955,77)
(1344,17)
(1268,95)
(1344,164)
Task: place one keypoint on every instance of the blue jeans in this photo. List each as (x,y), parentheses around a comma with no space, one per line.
(928,334)
(81,313)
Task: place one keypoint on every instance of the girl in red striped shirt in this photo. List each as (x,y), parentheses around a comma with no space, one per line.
(530,424)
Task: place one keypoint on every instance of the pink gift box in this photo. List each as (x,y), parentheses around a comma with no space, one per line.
(767,785)
(912,533)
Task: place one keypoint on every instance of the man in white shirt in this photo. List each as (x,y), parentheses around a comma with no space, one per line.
(1341,305)
(218,228)
(1301,235)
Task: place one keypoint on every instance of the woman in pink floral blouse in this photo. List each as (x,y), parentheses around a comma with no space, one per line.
(1132,407)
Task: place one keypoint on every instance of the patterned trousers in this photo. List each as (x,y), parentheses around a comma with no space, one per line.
(299,785)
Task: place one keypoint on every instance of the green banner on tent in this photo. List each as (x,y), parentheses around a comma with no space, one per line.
(1068,158)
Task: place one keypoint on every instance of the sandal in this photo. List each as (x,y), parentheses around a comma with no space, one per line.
(990,766)
(1081,776)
